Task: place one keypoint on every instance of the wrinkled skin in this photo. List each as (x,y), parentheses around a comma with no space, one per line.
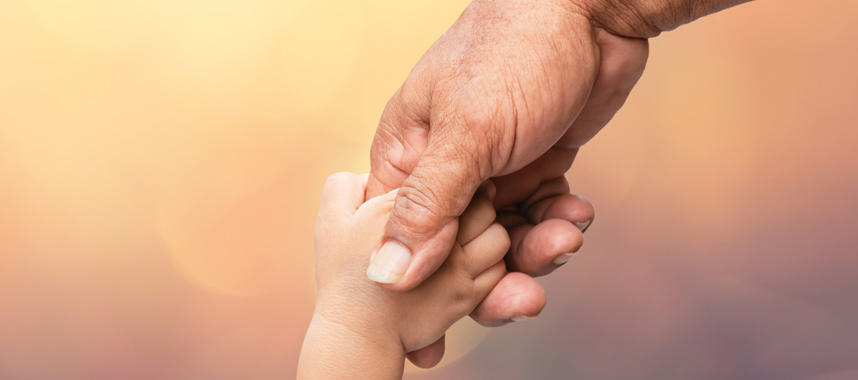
(510,92)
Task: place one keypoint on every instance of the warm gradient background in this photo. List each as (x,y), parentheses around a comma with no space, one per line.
(160,163)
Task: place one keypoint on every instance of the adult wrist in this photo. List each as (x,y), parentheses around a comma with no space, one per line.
(648,18)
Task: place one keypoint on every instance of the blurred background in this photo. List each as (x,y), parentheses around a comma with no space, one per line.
(160,164)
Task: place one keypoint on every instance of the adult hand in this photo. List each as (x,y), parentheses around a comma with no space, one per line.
(511,90)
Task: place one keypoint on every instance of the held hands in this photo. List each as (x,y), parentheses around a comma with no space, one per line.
(509,92)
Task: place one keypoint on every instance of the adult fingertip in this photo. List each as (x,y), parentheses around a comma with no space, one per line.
(531,298)
(517,295)
(539,250)
(418,237)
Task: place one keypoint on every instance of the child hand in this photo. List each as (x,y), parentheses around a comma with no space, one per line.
(393,323)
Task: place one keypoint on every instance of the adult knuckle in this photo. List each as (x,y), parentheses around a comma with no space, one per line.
(421,207)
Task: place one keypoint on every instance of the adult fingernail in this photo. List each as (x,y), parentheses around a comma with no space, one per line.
(562,259)
(520,318)
(583,225)
(388,265)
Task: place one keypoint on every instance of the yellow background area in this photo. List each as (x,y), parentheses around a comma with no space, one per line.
(160,164)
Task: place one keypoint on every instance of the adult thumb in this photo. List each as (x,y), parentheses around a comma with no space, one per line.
(424,221)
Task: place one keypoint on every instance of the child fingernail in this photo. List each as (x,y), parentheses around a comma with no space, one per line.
(388,265)
(583,225)
(520,318)
(562,259)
